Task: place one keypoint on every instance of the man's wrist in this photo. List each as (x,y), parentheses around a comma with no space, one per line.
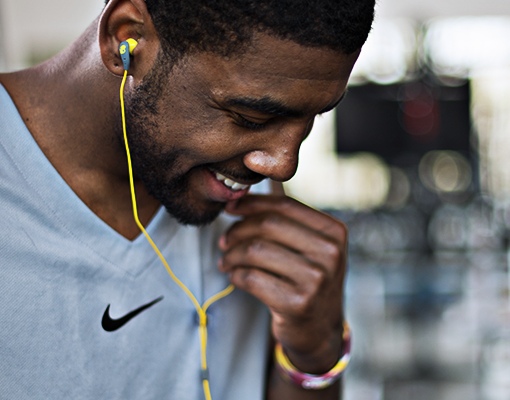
(314,381)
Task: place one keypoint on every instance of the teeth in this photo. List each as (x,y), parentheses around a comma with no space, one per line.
(230,183)
(238,186)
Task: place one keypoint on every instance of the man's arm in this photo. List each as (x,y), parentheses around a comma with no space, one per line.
(292,258)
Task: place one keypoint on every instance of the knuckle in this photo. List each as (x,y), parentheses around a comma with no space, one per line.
(302,305)
(332,250)
(318,282)
(270,221)
(316,277)
(287,202)
(254,248)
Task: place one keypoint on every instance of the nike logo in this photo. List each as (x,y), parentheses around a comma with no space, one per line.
(110,324)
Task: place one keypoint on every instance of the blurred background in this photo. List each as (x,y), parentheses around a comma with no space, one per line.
(416,161)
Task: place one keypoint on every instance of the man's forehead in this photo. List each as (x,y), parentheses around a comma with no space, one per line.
(269,55)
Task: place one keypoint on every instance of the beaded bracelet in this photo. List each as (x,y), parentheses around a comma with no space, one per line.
(310,381)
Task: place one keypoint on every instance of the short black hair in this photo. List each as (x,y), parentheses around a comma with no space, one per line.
(227,26)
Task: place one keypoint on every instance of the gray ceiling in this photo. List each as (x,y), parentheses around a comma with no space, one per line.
(426,9)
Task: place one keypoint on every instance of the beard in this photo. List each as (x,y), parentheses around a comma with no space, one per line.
(161,171)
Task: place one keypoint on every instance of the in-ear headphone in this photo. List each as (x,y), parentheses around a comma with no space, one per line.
(125,50)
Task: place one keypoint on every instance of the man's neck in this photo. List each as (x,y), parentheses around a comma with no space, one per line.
(70,105)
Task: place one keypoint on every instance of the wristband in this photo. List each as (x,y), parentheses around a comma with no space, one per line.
(310,381)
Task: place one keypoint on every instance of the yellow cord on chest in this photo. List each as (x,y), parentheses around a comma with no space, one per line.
(200,309)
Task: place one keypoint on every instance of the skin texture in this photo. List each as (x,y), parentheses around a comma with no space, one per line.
(244,116)
(227,136)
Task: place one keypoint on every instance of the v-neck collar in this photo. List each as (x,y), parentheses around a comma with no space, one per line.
(69,211)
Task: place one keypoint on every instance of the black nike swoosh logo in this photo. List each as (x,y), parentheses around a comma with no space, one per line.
(110,324)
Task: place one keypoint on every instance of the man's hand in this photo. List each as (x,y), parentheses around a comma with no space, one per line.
(292,258)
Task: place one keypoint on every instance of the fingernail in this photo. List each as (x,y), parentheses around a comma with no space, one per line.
(222,242)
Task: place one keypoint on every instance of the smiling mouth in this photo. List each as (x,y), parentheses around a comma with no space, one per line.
(230,183)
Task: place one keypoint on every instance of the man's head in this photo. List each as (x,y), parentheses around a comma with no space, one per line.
(231,102)
(227,26)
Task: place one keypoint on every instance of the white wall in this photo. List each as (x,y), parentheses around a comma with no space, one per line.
(37,29)
(426,9)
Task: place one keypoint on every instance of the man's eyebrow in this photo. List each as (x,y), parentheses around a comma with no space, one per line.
(266,105)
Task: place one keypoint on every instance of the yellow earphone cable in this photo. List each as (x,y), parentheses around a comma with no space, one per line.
(201,310)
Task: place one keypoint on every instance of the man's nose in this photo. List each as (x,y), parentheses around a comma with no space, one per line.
(278,157)
(279,166)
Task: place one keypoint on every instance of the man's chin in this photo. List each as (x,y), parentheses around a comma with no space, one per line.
(186,216)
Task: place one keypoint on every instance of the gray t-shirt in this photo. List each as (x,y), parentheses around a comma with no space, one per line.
(61,267)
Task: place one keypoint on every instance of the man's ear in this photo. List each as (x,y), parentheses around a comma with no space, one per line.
(121,20)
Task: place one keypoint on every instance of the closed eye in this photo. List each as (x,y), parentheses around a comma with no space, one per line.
(246,123)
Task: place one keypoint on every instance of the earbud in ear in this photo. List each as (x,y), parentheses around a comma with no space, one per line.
(125,50)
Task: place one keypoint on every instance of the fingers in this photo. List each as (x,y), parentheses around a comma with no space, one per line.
(285,238)
(293,259)
(290,234)
(279,277)
(315,219)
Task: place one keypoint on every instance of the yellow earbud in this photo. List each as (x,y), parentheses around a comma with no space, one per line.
(125,50)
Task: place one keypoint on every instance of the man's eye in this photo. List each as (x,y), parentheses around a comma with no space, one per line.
(245,123)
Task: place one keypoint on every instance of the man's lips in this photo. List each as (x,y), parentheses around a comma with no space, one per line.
(226,188)
(230,183)
(236,181)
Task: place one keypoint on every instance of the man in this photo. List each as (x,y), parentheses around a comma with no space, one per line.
(219,97)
